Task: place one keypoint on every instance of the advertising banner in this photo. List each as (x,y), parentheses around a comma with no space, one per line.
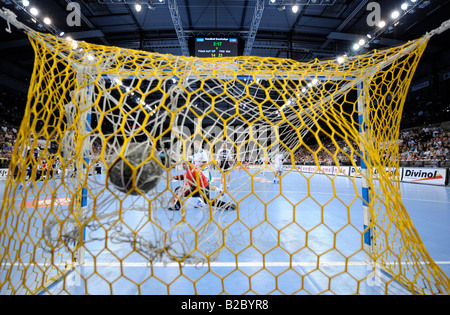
(433,176)
(3,173)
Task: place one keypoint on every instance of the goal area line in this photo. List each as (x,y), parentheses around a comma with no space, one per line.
(233,264)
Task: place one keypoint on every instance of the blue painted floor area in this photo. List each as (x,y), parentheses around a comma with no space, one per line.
(429,209)
(266,237)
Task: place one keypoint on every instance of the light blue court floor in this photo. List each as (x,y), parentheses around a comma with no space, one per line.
(263,238)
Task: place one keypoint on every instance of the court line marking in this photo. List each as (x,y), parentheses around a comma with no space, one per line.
(231,264)
(249,264)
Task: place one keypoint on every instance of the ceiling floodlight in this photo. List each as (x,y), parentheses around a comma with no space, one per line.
(34,11)
(395,14)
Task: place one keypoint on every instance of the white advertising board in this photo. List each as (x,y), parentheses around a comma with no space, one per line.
(431,176)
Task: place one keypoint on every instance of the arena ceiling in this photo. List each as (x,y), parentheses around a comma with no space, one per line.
(321,29)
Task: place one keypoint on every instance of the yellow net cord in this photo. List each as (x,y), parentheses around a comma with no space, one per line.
(133,116)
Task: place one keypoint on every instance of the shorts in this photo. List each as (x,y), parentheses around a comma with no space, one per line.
(225,166)
(279,167)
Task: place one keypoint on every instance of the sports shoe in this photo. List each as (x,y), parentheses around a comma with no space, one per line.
(174,208)
(200,203)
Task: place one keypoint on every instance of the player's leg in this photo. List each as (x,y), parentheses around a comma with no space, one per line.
(217,203)
(180,193)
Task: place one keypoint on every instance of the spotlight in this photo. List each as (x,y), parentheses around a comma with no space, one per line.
(404,6)
(34,11)
(356,46)
(295,8)
(26,3)
(47,21)
(382,24)
(395,14)
(138,7)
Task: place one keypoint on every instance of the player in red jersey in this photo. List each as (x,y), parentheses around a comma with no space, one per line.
(195,183)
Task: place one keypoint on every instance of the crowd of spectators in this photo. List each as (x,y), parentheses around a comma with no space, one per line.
(326,154)
(8,136)
(420,146)
(11,113)
(424,146)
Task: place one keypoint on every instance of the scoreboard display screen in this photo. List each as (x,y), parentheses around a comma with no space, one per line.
(216,47)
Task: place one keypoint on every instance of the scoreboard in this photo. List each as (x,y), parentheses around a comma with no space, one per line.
(216,47)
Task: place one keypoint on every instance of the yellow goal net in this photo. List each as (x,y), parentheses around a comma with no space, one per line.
(118,146)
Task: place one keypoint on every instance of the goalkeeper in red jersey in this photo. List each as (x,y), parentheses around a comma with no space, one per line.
(195,184)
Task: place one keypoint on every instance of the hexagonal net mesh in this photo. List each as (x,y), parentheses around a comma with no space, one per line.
(118,146)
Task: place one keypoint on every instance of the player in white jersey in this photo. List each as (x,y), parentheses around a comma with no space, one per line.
(278,166)
(200,159)
(224,160)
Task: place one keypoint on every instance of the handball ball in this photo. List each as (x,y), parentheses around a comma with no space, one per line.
(128,174)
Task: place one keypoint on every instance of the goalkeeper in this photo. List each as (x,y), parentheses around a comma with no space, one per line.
(193,182)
